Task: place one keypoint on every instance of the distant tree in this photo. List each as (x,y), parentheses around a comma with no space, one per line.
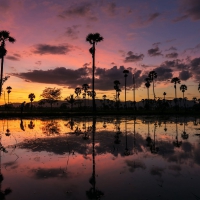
(31,96)
(199,87)
(8,91)
(93,39)
(77,91)
(164,94)
(183,88)
(147,84)
(175,80)
(41,102)
(4,36)
(125,76)
(71,100)
(51,95)
(85,88)
(152,76)
(116,87)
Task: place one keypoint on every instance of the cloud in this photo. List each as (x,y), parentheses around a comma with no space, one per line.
(83,10)
(110,8)
(189,9)
(185,75)
(72,32)
(52,49)
(164,73)
(153,16)
(15,57)
(171,49)
(171,55)
(133,57)
(154,52)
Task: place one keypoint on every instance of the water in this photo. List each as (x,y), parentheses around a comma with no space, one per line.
(122,158)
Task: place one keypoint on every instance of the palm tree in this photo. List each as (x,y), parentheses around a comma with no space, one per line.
(8,91)
(116,87)
(175,80)
(152,75)
(71,100)
(164,94)
(125,76)
(147,84)
(93,39)
(199,87)
(85,88)
(4,36)
(183,88)
(31,96)
(77,91)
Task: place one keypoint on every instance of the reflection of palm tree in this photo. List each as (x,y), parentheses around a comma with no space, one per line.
(93,193)
(93,39)
(184,135)
(148,139)
(22,125)
(4,36)
(31,125)
(134,138)
(153,147)
(126,152)
(7,191)
(176,142)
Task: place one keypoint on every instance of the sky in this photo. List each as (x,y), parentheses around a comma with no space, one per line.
(141,36)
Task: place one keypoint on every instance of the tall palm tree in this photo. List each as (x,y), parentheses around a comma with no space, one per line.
(8,91)
(175,80)
(152,76)
(4,36)
(183,88)
(147,84)
(31,96)
(125,76)
(116,87)
(85,88)
(93,39)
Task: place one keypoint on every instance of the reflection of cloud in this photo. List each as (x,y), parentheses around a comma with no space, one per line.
(49,173)
(136,164)
(175,168)
(157,171)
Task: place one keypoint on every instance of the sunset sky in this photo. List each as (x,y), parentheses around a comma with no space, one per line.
(51,48)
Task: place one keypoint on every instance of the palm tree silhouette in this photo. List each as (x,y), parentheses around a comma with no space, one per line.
(175,80)
(31,96)
(183,88)
(85,88)
(152,76)
(77,91)
(199,87)
(93,39)
(71,100)
(4,36)
(164,94)
(125,76)
(116,87)
(8,91)
(147,84)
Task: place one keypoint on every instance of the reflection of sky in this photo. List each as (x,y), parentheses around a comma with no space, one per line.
(60,165)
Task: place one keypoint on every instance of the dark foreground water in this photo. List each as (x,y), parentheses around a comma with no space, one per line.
(104,158)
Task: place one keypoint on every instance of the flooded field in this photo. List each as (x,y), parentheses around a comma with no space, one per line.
(108,158)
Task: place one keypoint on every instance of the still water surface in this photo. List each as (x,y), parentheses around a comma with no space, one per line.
(117,158)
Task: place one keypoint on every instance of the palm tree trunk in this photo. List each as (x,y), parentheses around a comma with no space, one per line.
(125,92)
(1,81)
(154,91)
(93,69)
